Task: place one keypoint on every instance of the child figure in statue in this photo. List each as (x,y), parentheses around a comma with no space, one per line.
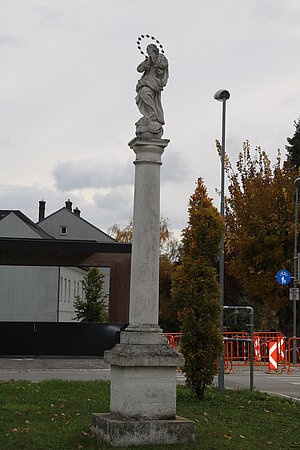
(154,79)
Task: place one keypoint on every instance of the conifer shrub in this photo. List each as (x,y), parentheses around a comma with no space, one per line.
(196,292)
(93,307)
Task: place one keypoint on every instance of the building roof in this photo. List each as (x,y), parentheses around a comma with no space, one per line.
(5,212)
(79,218)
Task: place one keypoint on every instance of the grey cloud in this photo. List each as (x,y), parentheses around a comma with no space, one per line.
(103,212)
(26,198)
(49,14)
(95,173)
(175,166)
(8,39)
(92,173)
(117,203)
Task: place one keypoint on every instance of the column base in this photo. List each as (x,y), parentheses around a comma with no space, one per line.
(118,431)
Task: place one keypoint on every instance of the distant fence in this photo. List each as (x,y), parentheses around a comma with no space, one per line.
(58,338)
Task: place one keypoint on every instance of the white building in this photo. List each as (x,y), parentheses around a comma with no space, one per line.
(45,293)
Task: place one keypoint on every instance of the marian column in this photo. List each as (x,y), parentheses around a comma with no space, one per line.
(143,365)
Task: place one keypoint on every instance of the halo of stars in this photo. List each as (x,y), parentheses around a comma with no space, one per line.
(147,36)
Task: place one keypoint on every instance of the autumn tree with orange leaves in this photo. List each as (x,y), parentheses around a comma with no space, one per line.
(259,216)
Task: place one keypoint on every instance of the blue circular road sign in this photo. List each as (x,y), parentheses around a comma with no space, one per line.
(283,277)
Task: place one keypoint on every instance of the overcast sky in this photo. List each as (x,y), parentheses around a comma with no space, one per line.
(67,89)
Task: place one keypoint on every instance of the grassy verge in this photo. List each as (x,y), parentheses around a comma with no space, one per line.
(57,415)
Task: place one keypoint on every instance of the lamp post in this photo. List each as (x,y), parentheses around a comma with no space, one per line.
(222,95)
(297,185)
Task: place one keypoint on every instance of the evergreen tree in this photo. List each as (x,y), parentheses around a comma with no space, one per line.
(293,150)
(93,308)
(196,293)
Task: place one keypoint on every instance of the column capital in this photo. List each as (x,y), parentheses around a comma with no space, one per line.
(136,142)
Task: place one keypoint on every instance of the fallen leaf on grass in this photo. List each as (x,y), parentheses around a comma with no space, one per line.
(52,406)
(205,413)
(25,430)
(84,433)
(62,405)
(228,436)
(241,406)
(67,423)
(77,414)
(27,422)
(79,447)
(241,436)
(269,442)
(266,410)
(7,434)
(15,430)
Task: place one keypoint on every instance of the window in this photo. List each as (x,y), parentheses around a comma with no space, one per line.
(63,231)
(69,290)
(65,296)
(61,289)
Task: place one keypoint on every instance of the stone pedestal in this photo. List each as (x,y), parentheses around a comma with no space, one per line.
(143,365)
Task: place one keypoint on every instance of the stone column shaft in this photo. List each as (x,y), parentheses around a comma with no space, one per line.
(144,290)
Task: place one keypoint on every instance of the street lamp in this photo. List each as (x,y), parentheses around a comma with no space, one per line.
(222,95)
(297,184)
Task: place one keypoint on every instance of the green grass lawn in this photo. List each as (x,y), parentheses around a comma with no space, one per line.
(57,415)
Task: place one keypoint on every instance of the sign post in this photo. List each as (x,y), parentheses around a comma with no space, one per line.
(294,294)
(283,277)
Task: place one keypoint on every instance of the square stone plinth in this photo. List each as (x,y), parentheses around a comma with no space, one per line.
(119,431)
(143,392)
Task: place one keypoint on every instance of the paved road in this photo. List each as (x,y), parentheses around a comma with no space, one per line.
(281,384)
(38,369)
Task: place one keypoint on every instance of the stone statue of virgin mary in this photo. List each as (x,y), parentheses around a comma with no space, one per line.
(149,87)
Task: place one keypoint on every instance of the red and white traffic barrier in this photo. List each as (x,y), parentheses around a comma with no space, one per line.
(273,355)
(257,353)
(281,349)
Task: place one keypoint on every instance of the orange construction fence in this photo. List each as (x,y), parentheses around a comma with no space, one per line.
(173,340)
(291,342)
(237,348)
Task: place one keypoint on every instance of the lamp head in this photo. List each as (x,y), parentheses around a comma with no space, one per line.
(222,95)
(297,183)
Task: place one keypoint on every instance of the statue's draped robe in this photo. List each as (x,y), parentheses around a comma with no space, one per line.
(149,88)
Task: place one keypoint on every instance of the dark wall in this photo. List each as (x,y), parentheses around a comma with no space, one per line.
(58,339)
(119,291)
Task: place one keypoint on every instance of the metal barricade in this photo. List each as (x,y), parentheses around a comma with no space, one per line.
(174,340)
(296,341)
(237,348)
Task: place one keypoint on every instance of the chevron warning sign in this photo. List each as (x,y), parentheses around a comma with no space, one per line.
(273,355)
